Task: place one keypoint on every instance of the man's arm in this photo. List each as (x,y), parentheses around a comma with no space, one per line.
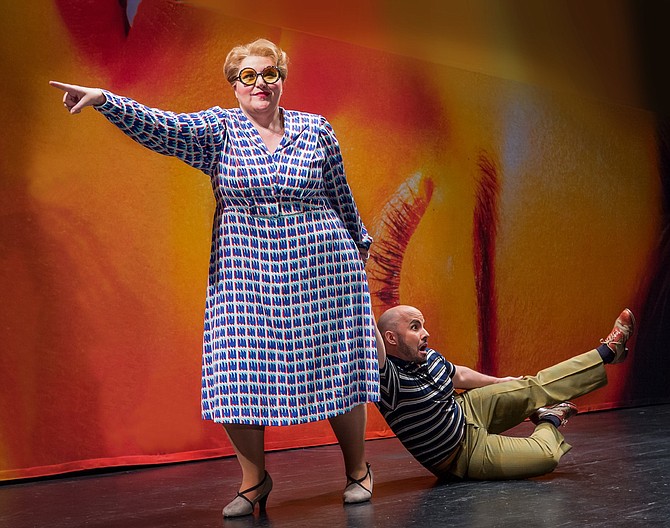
(381,349)
(466,378)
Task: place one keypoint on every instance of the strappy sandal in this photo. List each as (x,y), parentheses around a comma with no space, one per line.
(355,492)
(241,505)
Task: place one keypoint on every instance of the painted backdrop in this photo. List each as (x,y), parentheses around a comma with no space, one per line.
(519,220)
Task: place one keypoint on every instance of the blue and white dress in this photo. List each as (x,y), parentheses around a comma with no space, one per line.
(289,335)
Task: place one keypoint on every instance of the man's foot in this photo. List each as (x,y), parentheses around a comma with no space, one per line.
(561,412)
(623,329)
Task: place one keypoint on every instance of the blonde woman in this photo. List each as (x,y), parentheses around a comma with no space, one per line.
(289,335)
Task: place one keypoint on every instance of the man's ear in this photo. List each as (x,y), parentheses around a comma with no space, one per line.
(390,337)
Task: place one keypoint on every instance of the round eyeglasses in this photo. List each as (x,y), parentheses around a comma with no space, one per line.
(248,76)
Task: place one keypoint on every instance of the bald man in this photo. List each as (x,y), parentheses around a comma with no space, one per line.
(457,435)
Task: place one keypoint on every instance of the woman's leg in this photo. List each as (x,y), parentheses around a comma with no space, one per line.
(249,444)
(349,428)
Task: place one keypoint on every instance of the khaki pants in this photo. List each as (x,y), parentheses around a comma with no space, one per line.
(491,410)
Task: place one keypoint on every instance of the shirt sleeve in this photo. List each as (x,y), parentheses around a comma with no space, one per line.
(388,386)
(337,188)
(434,356)
(195,138)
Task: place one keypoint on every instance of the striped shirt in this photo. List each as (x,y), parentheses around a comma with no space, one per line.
(417,402)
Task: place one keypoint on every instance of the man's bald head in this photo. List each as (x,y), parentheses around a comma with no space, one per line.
(404,336)
(390,319)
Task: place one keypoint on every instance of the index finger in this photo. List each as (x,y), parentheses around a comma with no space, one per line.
(62,86)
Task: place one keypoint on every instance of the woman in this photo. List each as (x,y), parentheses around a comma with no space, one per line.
(289,331)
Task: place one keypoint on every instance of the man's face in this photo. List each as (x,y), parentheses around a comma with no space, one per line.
(411,336)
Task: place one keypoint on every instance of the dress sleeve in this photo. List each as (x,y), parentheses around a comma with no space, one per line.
(338,190)
(194,138)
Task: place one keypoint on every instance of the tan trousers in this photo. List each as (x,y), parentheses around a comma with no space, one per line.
(491,410)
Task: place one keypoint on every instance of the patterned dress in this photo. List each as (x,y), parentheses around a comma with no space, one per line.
(289,335)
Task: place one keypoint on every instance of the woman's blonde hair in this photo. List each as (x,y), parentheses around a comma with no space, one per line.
(257,48)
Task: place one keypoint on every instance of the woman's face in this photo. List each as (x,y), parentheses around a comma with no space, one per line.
(261,97)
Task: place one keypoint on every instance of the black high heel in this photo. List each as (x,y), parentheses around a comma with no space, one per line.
(241,505)
(355,492)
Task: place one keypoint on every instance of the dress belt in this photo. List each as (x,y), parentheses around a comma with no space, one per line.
(275,209)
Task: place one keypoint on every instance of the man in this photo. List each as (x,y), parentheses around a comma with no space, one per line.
(457,435)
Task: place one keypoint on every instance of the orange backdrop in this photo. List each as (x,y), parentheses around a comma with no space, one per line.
(519,220)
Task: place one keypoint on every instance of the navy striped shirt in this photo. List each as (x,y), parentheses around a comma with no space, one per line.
(417,402)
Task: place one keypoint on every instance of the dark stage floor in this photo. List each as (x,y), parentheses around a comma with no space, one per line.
(617,474)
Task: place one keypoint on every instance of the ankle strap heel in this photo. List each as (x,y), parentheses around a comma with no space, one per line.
(355,492)
(241,505)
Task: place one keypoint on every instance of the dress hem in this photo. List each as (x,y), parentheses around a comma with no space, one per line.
(289,421)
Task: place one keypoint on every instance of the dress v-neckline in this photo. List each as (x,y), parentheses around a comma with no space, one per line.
(293,127)
(256,134)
